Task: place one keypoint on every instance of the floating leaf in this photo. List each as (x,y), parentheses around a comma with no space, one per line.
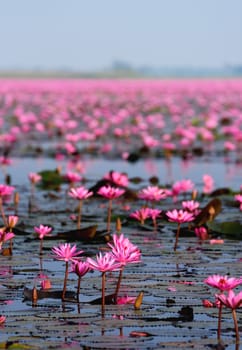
(231,229)
(209,212)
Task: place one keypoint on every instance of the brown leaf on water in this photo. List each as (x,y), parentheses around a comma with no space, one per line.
(209,212)
(83,234)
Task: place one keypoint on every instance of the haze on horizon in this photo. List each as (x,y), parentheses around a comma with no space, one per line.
(91,35)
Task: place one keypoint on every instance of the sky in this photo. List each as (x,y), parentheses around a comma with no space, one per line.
(87,35)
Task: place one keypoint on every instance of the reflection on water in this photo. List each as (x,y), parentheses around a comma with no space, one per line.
(224,172)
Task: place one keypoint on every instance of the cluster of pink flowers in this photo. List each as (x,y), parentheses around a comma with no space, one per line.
(186,103)
(226,297)
(122,252)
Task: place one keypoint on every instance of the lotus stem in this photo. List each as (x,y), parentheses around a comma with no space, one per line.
(177,236)
(79,214)
(236,328)
(65,282)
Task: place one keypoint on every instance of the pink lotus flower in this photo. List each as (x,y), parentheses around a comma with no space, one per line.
(238,198)
(66,252)
(154,214)
(124,251)
(190,206)
(208,184)
(104,263)
(80,268)
(152,193)
(119,179)
(201,232)
(12,221)
(6,191)
(110,192)
(5,236)
(141,215)
(42,231)
(80,194)
(125,300)
(223,283)
(180,217)
(72,177)
(34,178)
(182,186)
(2,319)
(231,300)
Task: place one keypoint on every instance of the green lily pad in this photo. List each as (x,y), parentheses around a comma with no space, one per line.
(51,179)
(231,229)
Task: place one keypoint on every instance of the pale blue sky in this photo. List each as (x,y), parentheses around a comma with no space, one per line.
(91,34)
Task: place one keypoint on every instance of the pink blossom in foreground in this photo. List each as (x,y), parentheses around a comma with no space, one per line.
(208,184)
(141,215)
(152,193)
(80,193)
(232,300)
(110,192)
(42,231)
(66,252)
(104,263)
(119,179)
(179,216)
(124,251)
(223,283)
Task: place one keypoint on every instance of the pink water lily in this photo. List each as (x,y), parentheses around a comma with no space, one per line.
(80,193)
(81,268)
(42,231)
(5,236)
(119,179)
(232,301)
(110,193)
(179,216)
(2,319)
(104,263)
(152,193)
(223,283)
(67,253)
(141,214)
